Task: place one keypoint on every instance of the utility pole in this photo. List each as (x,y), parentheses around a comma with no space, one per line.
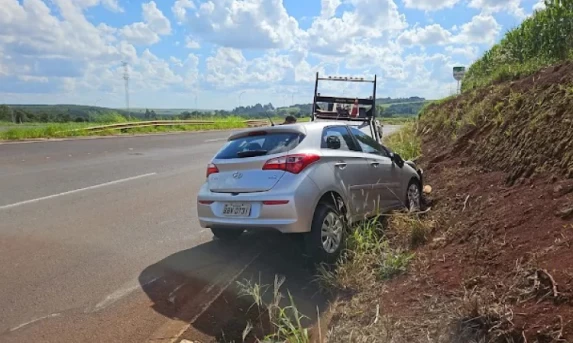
(240,95)
(126,78)
(196,108)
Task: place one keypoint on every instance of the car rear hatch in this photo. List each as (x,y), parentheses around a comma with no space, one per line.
(238,166)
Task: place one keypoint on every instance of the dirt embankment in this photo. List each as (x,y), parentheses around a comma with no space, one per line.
(523,128)
(499,264)
(501,162)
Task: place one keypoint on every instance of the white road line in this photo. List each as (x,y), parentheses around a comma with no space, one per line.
(120,293)
(215,140)
(5,207)
(34,320)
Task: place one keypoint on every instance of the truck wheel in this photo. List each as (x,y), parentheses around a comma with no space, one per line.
(327,236)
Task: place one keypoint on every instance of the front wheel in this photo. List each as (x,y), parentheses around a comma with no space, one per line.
(326,238)
(226,234)
(414,196)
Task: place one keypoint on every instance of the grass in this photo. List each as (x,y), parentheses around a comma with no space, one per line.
(282,323)
(543,39)
(397,120)
(62,130)
(405,142)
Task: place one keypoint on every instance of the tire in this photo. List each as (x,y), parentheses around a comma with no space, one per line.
(325,246)
(414,196)
(227,234)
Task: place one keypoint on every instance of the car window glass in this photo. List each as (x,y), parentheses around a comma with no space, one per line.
(368,144)
(341,132)
(268,144)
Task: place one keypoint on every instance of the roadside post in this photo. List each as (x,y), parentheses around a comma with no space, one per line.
(459,73)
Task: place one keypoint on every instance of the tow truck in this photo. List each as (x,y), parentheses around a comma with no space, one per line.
(360,112)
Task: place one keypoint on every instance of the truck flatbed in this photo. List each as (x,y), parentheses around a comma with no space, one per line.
(363,110)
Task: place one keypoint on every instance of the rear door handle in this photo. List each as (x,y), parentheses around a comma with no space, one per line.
(340,165)
(375,164)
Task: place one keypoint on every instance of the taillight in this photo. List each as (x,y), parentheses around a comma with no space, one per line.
(212,169)
(291,163)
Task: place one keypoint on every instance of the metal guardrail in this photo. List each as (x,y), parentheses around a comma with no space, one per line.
(155,123)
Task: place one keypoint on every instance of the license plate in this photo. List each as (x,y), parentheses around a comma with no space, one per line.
(237,210)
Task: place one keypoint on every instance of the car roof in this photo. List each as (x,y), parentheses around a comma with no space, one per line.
(304,127)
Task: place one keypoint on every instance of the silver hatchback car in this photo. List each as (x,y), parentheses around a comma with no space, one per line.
(315,178)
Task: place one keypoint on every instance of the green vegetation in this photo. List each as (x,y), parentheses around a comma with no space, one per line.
(504,119)
(52,114)
(541,40)
(389,101)
(282,323)
(405,142)
(409,109)
(397,120)
(61,130)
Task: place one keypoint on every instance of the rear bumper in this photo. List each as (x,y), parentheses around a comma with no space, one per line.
(294,216)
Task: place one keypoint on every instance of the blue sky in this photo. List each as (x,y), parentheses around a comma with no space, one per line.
(221,53)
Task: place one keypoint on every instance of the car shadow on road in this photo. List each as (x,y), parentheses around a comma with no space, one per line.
(199,285)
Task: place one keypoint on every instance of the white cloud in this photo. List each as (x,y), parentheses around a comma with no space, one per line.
(369,19)
(482,29)
(190,43)
(148,32)
(492,6)
(180,7)
(78,57)
(430,35)
(469,52)
(248,24)
(23,35)
(112,5)
(328,8)
(430,5)
(256,45)
(228,68)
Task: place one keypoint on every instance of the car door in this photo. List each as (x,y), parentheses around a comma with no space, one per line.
(383,173)
(350,165)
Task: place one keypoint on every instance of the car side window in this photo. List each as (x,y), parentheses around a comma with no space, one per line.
(368,144)
(342,134)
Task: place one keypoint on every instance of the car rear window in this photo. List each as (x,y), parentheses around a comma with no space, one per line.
(260,145)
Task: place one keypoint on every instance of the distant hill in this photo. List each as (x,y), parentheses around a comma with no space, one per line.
(381,101)
(72,110)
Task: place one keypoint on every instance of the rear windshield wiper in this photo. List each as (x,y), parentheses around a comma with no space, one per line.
(252,153)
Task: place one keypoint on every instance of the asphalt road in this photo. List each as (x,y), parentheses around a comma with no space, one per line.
(99,241)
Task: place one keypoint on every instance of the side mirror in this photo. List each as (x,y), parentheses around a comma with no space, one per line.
(333,142)
(396,158)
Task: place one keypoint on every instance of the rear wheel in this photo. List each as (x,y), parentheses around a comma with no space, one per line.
(414,196)
(327,236)
(227,234)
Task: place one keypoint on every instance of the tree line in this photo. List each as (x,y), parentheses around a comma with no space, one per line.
(81,113)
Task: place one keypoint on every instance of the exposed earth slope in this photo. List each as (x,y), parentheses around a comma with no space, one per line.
(497,265)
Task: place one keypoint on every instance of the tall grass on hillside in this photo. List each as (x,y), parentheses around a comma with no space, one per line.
(405,142)
(541,40)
